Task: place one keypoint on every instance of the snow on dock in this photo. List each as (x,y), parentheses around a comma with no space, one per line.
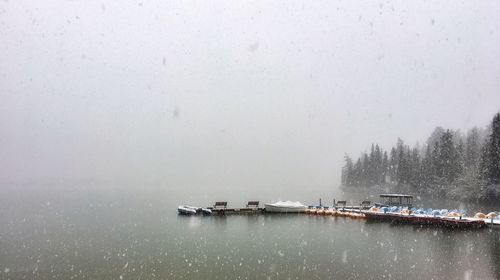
(394,214)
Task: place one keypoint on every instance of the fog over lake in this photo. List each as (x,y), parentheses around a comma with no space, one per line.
(112,113)
(234,94)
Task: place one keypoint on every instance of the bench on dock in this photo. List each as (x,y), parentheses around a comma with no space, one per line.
(220,205)
(366,203)
(253,205)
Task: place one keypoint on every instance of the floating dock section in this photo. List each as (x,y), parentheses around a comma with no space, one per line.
(424,220)
(252,207)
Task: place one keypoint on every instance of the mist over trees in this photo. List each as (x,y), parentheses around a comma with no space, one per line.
(465,165)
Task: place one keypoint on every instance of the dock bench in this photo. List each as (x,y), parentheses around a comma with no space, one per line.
(220,205)
(253,205)
(366,203)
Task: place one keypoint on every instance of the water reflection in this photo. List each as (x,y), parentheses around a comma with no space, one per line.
(495,253)
(86,236)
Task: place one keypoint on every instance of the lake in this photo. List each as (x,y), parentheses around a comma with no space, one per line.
(111,233)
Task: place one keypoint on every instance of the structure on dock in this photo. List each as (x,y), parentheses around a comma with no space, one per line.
(342,204)
(400,200)
(220,208)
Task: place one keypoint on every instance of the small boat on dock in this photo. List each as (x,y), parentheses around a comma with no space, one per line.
(187,210)
(492,219)
(285,207)
(206,211)
(330,212)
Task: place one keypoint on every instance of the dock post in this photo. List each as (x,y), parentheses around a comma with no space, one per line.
(320,202)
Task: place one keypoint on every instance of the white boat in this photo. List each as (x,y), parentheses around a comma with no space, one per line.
(187,210)
(206,211)
(285,207)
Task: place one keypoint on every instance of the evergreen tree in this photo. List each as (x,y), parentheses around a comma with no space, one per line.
(435,136)
(348,172)
(371,170)
(393,165)
(449,158)
(461,155)
(427,168)
(403,174)
(490,161)
(436,163)
(415,172)
(378,165)
(365,170)
(385,168)
(358,172)
(472,149)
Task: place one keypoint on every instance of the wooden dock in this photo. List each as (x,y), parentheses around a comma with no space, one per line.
(424,220)
(242,211)
(252,207)
(341,209)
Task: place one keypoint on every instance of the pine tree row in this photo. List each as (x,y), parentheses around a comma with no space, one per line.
(447,157)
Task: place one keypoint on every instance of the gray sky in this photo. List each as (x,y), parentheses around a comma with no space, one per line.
(233,93)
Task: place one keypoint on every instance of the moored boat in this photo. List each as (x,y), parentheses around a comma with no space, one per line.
(330,212)
(187,210)
(285,207)
(206,211)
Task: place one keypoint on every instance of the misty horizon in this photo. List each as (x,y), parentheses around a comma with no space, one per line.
(192,95)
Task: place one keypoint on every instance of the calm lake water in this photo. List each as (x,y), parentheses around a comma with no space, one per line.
(117,234)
